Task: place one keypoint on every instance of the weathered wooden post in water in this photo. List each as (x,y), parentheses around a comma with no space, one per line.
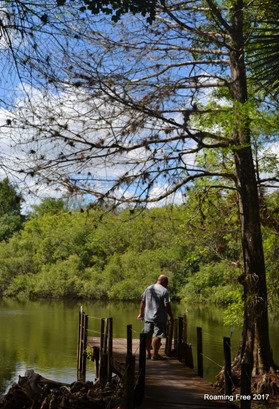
(129,340)
(140,385)
(82,344)
(227,365)
(245,385)
(199,351)
(106,351)
(104,356)
(129,376)
(110,346)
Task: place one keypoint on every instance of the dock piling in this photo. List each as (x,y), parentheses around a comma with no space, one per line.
(82,345)
(227,365)
(129,381)
(169,337)
(140,384)
(129,339)
(199,352)
(245,385)
(179,337)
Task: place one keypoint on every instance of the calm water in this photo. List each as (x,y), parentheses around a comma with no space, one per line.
(43,336)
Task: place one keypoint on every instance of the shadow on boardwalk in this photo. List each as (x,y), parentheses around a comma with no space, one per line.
(169,384)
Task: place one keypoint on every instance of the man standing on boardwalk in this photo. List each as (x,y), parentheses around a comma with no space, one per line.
(154,309)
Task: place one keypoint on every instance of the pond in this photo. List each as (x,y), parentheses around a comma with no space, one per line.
(42,335)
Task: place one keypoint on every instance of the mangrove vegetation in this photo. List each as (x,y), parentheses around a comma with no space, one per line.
(94,253)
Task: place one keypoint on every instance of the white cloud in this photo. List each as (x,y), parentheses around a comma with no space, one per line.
(82,124)
(80,115)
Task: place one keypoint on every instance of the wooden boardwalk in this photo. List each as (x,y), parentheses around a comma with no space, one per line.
(169,384)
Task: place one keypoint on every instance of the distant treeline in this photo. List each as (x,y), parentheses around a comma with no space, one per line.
(100,254)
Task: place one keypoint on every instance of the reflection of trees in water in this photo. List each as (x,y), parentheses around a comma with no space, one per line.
(43,334)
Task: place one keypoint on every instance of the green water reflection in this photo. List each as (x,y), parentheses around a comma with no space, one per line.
(43,335)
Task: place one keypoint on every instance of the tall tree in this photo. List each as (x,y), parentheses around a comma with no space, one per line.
(11,218)
(143,111)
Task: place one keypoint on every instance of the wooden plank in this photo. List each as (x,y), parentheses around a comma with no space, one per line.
(119,348)
(169,384)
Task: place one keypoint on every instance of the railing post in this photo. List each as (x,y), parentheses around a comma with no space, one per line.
(179,337)
(175,325)
(140,385)
(79,344)
(199,351)
(245,385)
(227,365)
(129,381)
(110,338)
(185,329)
(129,377)
(187,353)
(104,355)
(96,358)
(102,340)
(82,344)
(129,340)
(169,338)
(103,368)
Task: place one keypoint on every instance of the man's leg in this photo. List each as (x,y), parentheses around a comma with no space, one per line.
(159,332)
(156,346)
(148,346)
(148,330)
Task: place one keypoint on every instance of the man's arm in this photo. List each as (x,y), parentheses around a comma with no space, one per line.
(169,311)
(142,308)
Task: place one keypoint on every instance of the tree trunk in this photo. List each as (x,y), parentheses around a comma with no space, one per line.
(256,349)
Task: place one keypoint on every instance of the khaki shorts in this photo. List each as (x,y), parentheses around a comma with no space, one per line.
(156,329)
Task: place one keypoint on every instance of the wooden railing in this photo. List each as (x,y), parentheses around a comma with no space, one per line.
(105,365)
(133,379)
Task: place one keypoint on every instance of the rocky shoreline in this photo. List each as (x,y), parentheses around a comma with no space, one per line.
(32,391)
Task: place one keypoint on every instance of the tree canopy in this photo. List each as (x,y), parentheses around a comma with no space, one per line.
(94,255)
(265,37)
(169,96)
